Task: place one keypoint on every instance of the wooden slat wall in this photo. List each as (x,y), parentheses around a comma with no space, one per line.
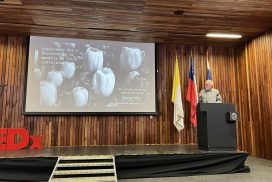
(237,77)
(254,67)
(113,130)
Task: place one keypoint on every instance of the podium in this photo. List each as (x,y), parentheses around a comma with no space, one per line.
(216,129)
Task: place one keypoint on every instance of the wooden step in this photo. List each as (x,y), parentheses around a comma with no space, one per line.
(88,171)
(85,157)
(84,168)
(85,179)
(85,164)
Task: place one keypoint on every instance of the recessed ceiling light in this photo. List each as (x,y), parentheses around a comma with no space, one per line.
(224,35)
(178,12)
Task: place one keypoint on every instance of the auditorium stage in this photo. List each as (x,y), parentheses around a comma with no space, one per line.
(104,150)
(122,162)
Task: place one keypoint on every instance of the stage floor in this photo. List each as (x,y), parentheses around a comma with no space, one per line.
(107,150)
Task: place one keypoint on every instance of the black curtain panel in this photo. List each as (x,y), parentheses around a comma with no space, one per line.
(166,165)
(27,169)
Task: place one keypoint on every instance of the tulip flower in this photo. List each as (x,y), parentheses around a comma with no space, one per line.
(103,82)
(68,69)
(131,58)
(132,75)
(80,96)
(55,77)
(93,59)
(48,94)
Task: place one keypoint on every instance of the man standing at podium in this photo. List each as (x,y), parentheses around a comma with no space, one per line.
(209,94)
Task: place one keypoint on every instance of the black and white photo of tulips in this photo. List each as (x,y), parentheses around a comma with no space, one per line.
(89,76)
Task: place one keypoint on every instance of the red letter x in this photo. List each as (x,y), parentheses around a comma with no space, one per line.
(36,142)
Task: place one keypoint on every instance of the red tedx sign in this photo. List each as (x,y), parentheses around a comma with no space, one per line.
(7,139)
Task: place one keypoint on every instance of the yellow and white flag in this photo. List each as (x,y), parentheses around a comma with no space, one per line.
(176,99)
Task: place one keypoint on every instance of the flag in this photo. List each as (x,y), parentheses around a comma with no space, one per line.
(176,99)
(192,95)
(209,73)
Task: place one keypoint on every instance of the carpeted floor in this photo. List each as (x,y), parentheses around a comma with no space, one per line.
(261,171)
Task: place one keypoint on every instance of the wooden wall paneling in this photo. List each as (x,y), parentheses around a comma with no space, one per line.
(254,68)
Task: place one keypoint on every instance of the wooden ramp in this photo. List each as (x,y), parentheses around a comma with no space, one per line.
(85,168)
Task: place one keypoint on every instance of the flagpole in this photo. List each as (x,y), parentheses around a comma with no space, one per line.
(191,56)
(207,54)
(208,74)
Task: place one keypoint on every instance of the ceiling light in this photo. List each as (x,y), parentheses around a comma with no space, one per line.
(223,35)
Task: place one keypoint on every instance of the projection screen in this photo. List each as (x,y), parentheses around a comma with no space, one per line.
(90,76)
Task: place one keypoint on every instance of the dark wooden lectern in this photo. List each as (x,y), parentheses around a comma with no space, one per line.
(215,131)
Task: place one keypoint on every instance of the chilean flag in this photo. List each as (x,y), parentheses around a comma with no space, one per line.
(209,73)
(192,95)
